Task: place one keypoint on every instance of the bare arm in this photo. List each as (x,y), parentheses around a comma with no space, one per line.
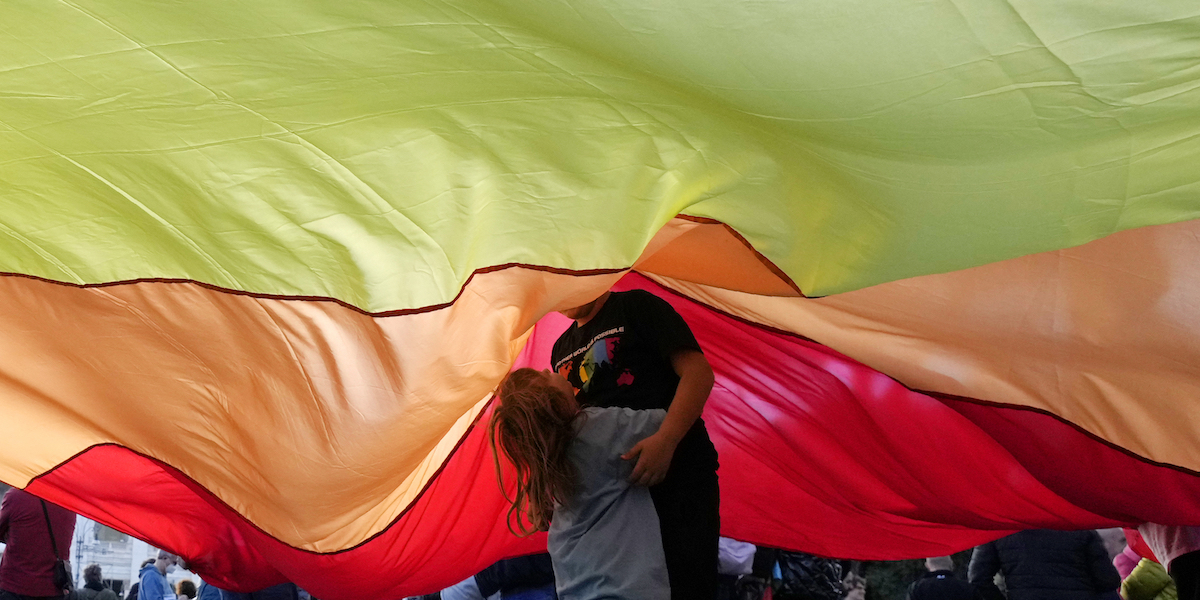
(655,452)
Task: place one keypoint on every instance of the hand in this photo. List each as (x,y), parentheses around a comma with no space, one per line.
(653,456)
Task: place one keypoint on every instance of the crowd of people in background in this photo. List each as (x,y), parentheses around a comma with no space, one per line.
(1028,565)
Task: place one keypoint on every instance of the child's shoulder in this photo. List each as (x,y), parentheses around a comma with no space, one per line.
(612,421)
(605,410)
(596,418)
(613,413)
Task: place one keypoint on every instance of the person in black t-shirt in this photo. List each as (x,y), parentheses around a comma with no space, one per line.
(631,349)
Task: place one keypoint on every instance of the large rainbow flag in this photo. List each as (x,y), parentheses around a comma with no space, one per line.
(264,261)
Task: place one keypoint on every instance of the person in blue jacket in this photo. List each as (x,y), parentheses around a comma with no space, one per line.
(152,580)
(207,591)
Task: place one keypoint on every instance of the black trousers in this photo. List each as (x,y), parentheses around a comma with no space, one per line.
(689,516)
(1185,570)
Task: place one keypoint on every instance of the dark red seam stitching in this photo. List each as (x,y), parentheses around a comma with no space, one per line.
(420,495)
(410,311)
(936,395)
(342,303)
(433,478)
(737,318)
(771,266)
(993,404)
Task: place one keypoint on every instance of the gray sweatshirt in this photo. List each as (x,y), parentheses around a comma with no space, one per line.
(606,543)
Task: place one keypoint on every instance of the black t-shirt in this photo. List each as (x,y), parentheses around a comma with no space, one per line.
(622,357)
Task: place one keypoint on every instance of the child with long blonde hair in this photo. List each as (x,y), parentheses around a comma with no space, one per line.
(571,481)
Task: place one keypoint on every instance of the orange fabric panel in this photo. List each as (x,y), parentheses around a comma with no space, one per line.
(710,253)
(1105,335)
(253,397)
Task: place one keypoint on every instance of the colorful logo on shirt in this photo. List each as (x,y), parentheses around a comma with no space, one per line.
(597,357)
(598,360)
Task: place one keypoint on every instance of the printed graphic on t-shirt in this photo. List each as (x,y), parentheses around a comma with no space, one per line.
(599,356)
(597,359)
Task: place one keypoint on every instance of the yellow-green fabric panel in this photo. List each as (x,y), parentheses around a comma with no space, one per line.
(380,151)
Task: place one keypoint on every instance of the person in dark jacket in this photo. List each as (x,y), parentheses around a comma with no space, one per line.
(939,583)
(93,586)
(1043,564)
(806,576)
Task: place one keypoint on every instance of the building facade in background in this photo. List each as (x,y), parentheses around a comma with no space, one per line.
(120,556)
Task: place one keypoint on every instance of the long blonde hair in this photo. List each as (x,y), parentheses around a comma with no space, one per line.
(533,425)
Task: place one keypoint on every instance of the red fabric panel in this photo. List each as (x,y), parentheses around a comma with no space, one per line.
(818,453)
(1086,472)
(152,501)
(1137,544)
(454,530)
